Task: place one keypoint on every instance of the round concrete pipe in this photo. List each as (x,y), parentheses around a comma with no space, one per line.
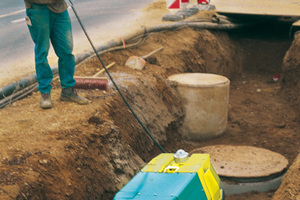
(205,100)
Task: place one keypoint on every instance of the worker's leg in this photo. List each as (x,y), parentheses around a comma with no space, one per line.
(62,42)
(39,28)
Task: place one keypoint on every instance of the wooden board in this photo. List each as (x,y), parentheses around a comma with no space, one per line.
(286,8)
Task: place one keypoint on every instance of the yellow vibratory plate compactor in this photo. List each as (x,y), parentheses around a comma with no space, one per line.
(174,177)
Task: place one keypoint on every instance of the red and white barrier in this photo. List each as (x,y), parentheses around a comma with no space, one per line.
(203,1)
(173,4)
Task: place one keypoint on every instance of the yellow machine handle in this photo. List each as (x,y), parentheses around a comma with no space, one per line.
(171,169)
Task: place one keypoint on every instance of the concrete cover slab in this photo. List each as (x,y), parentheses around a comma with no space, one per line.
(244,161)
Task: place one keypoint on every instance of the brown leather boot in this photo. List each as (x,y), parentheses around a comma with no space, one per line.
(45,101)
(69,94)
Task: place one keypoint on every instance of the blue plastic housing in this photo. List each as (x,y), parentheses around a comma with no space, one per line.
(163,186)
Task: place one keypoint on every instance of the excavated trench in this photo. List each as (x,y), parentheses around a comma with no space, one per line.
(250,57)
(93,151)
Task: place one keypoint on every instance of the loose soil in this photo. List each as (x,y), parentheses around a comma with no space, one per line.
(91,151)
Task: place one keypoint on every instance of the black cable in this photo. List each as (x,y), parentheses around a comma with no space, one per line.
(126,102)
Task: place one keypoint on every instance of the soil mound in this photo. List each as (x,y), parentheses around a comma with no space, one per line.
(289,188)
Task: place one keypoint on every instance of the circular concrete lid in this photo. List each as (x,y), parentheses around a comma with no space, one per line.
(198,79)
(244,161)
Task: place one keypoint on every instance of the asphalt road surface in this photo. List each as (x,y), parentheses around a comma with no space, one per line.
(100,17)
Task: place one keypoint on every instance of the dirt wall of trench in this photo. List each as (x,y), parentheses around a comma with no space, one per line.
(291,74)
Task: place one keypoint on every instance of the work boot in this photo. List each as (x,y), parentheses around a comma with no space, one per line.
(45,101)
(69,94)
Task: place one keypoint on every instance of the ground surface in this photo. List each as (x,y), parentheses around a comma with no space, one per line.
(90,152)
